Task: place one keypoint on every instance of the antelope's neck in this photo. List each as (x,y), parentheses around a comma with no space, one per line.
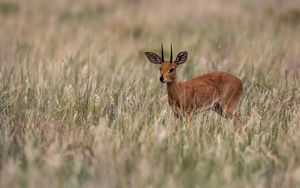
(172,89)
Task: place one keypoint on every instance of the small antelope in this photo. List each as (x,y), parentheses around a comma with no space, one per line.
(217,91)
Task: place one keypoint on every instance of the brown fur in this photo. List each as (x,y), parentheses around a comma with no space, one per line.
(202,92)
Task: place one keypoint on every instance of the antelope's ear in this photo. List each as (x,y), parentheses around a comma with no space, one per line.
(181,58)
(153,57)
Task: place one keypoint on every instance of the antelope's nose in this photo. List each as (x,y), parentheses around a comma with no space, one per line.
(161,79)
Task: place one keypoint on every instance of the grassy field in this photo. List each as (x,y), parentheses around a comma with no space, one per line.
(80,105)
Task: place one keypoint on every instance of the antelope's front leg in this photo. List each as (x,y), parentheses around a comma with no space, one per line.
(177,112)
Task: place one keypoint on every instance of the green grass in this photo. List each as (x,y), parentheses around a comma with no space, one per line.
(80,106)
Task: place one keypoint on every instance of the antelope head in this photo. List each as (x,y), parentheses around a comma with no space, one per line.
(167,68)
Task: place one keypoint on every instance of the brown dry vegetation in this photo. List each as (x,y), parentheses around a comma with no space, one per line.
(80,106)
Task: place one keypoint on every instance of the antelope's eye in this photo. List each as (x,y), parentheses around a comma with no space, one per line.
(171,70)
(159,68)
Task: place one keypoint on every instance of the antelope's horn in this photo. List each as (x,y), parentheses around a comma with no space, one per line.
(171,55)
(162,53)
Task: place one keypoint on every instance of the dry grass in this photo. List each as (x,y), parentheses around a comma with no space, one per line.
(80,106)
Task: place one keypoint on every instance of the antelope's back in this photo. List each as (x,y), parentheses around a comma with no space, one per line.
(222,81)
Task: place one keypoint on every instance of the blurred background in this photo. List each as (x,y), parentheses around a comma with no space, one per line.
(218,32)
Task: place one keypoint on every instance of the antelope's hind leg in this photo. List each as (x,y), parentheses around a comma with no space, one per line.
(231,107)
(216,107)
